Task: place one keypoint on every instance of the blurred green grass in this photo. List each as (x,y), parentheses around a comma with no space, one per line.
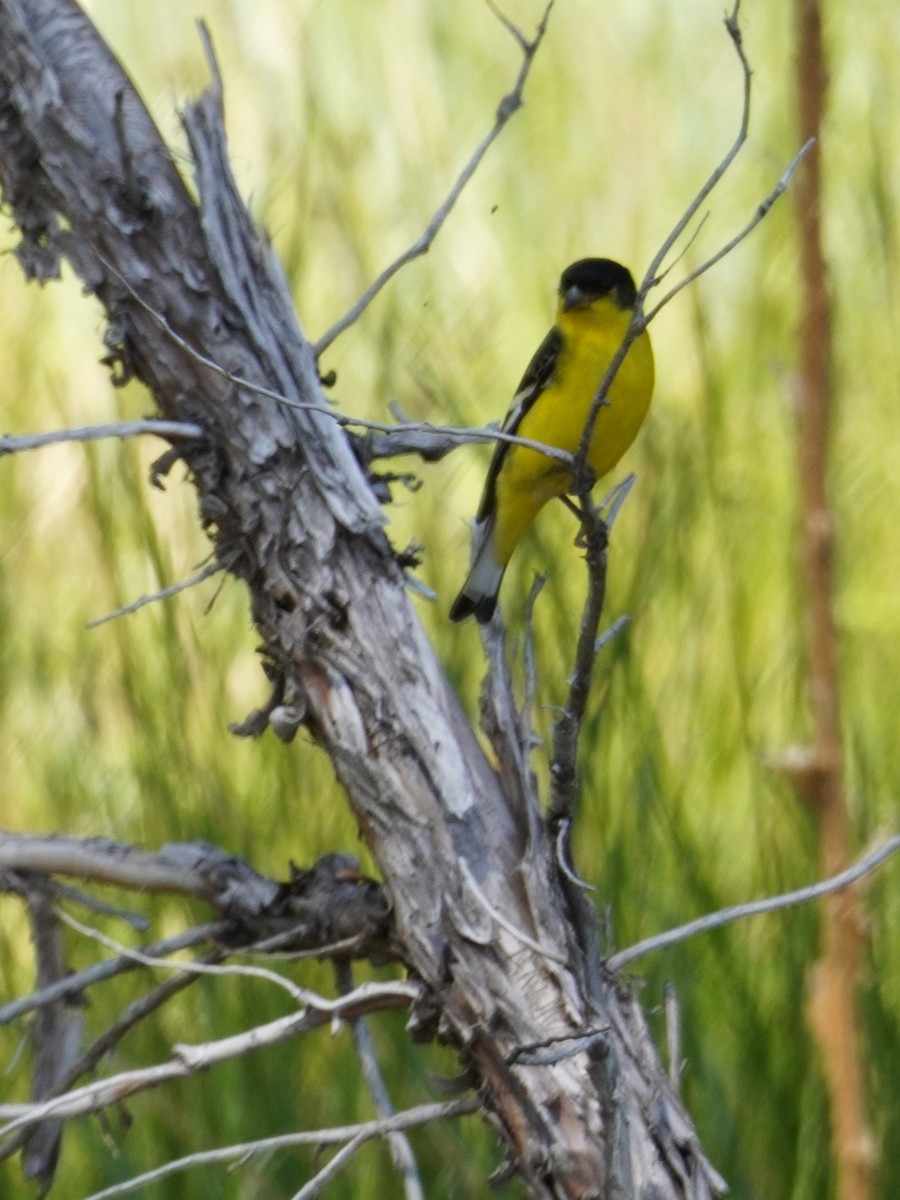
(347,124)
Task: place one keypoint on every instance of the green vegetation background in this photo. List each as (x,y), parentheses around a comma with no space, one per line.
(347,124)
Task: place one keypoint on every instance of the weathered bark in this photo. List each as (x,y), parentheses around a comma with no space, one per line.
(481,917)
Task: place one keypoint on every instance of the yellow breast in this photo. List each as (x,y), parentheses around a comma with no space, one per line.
(529,479)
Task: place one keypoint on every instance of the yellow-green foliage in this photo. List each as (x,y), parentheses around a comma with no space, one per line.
(347,123)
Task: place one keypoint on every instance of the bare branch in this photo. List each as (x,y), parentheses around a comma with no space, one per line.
(300,996)
(508,105)
(401,1150)
(761,212)
(557,1049)
(80,981)
(136,1012)
(423,1114)
(755,908)
(213,568)
(329,908)
(188,1059)
(567,730)
(431,442)
(581,480)
(434,441)
(91,433)
(55,1036)
(616,628)
(495,915)
(563,835)
(23,883)
(193,869)
(508,728)
(639,321)
(732,25)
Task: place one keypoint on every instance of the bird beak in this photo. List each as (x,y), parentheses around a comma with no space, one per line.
(574,297)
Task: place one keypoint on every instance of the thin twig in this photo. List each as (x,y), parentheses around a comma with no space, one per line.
(80,981)
(413,437)
(21,883)
(507,107)
(563,843)
(755,908)
(732,26)
(620,623)
(401,1150)
(402,437)
(638,322)
(92,433)
(566,731)
(682,253)
(188,1059)
(423,1114)
(191,869)
(301,996)
(529,665)
(109,1039)
(761,212)
(55,1037)
(212,568)
(343,948)
(332,1168)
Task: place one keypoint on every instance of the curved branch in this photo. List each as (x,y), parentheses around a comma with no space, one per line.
(756,908)
(412,1118)
(507,106)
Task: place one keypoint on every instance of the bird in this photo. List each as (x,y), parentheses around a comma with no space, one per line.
(595,302)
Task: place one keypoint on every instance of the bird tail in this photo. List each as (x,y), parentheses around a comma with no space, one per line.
(478,597)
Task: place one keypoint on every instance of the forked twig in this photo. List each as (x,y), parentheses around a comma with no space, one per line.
(762,211)
(189,1059)
(568,729)
(507,106)
(652,277)
(412,1118)
(88,1062)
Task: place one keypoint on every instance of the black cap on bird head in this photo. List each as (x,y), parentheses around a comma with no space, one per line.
(591,278)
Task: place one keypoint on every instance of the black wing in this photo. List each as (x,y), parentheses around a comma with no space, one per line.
(537,375)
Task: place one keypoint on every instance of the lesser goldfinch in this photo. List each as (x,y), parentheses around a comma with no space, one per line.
(551,406)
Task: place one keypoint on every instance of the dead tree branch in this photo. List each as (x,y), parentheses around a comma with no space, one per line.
(509,105)
(86,175)
(357,1135)
(188,1059)
(755,908)
(170,430)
